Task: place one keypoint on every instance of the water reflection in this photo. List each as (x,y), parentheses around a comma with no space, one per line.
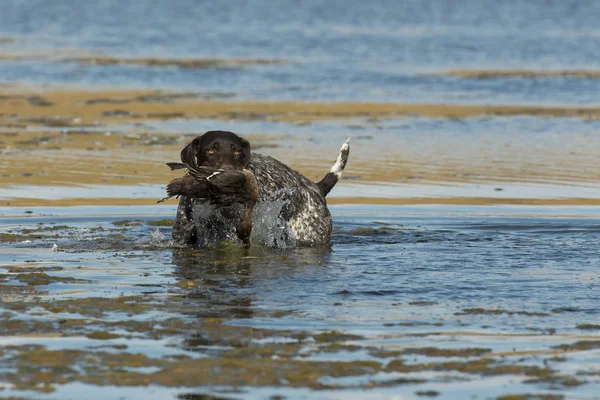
(224,281)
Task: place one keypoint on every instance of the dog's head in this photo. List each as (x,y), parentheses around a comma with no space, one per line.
(217,149)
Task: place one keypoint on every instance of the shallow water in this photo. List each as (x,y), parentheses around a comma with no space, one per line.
(401,289)
(373,51)
(421,158)
(412,301)
(382,52)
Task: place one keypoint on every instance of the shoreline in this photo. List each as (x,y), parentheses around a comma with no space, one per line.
(461,201)
(57,139)
(76,107)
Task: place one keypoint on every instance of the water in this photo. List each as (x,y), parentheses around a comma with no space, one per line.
(382,52)
(466,298)
(268,228)
(516,282)
(375,51)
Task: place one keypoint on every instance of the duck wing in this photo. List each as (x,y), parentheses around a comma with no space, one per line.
(221,186)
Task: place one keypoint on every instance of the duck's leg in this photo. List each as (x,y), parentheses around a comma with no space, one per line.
(184,229)
(244,228)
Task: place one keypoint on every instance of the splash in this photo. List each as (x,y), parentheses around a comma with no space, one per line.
(269,227)
(157,237)
(216,224)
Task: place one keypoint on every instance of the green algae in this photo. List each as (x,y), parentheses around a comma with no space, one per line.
(201,396)
(431,352)
(39,232)
(588,326)
(417,323)
(373,231)
(427,393)
(335,336)
(40,278)
(23,269)
(580,345)
(249,351)
(127,222)
(90,306)
(498,311)
(197,63)
(483,366)
(531,397)
(46,228)
(117,236)
(336,347)
(558,359)
(16,237)
(395,382)
(40,369)
(437,352)
(422,303)
(161,222)
(102,335)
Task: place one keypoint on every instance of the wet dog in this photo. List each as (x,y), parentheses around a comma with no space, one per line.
(302,207)
(217,174)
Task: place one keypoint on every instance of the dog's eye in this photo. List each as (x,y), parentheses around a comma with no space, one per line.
(211,151)
(237,152)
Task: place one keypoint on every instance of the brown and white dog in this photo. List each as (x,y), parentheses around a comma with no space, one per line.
(225,181)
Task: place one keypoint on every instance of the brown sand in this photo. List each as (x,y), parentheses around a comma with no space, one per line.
(200,63)
(77,107)
(61,137)
(530,74)
(45,54)
(91,58)
(467,201)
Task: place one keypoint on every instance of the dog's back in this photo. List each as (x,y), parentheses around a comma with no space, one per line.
(304,208)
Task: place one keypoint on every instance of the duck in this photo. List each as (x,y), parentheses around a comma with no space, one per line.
(223,187)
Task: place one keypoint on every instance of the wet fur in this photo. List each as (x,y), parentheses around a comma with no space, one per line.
(305,212)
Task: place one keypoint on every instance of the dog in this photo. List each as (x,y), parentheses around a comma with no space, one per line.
(302,219)
(219,175)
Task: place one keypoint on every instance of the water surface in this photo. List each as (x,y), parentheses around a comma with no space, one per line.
(484,300)
(480,107)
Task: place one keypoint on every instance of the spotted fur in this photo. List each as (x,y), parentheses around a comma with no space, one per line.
(305,210)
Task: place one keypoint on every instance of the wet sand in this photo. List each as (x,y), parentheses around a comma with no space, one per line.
(64,138)
(79,107)
(51,55)
(173,62)
(92,58)
(521,73)
(467,201)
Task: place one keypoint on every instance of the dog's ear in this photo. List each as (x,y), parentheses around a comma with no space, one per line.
(247,152)
(188,154)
